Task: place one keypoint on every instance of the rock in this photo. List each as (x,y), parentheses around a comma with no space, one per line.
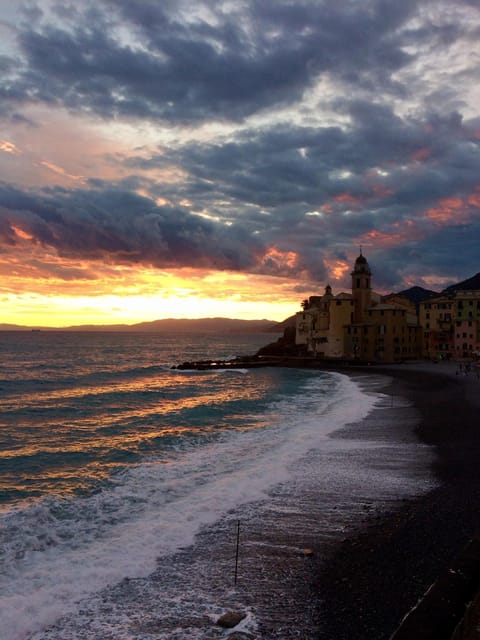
(231,619)
(308,553)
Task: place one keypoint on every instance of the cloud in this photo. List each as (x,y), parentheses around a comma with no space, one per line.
(115,225)
(255,137)
(164,61)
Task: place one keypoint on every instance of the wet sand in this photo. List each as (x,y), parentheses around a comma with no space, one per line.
(375,578)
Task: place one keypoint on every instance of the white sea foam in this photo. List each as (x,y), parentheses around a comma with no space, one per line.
(58,552)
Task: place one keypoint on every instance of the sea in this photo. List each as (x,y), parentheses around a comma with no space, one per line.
(141,501)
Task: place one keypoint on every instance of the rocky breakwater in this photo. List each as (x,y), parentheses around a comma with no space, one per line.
(246,362)
(282,352)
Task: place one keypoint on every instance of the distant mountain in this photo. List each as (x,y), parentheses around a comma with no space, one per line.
(171,325)
(471,284)
(206,325)
(416,294)
(279,327)
(14,327)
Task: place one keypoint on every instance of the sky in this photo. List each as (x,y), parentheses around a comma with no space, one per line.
(230,158)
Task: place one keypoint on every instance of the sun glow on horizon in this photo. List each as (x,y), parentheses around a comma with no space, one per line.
(61,311)
(106,294)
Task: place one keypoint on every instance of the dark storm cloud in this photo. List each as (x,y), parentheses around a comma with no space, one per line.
(223,64)
(291,168)
(432,256)
(310,189)
(116,225)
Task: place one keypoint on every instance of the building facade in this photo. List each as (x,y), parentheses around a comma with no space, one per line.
(358,325)
(451,325)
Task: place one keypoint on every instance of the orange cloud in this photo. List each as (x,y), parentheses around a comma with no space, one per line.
(380,239)
(23,235)
(474,200)
(60,170)
(448,211)
(401,232)
(9,147)
(280,259)
(347,198)
(337,268)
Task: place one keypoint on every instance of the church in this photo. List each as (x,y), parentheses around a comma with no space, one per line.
(360,325)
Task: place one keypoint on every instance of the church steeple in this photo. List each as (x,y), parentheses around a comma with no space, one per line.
(361,290)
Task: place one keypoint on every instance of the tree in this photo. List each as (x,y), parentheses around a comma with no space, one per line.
(305,304)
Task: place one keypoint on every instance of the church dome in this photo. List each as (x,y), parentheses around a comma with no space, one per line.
(361,265)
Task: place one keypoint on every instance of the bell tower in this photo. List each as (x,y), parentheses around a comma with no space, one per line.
(361,289)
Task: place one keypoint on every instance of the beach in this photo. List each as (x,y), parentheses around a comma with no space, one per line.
(296,580)
(349,492)
(375,578)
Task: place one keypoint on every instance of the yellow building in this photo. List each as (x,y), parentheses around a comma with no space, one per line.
(358,326)
(320,326)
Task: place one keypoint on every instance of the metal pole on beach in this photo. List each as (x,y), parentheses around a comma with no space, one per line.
(236,553)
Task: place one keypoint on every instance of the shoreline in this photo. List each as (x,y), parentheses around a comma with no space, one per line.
(369,584)
(362,578)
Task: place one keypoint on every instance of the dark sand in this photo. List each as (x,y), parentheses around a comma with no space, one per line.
(374,579)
